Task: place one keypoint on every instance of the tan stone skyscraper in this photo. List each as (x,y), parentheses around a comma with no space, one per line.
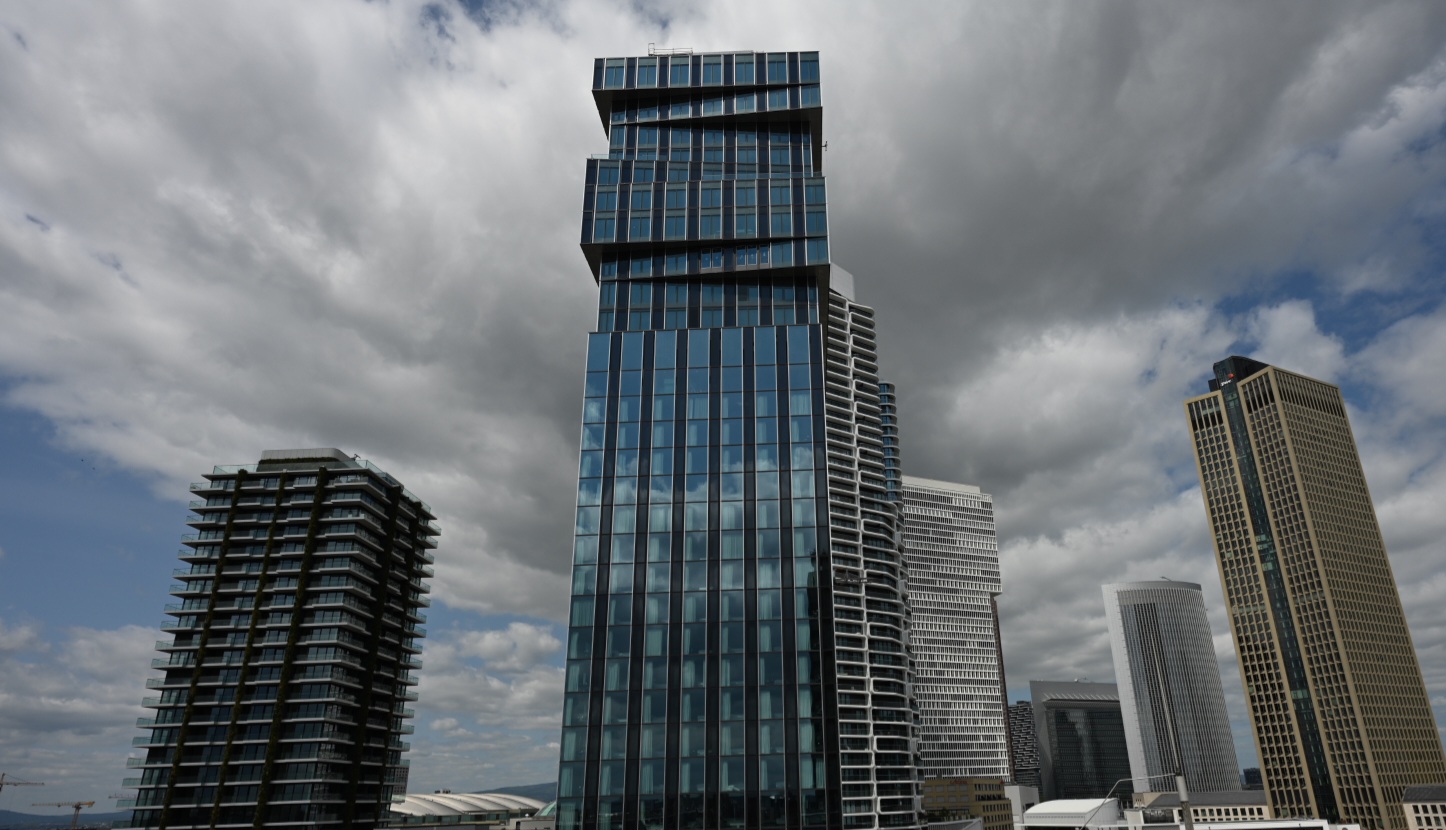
(1338,706)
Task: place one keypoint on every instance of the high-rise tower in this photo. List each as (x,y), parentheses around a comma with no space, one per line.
(1337,702)
(1169,684)
(738,649)
(953,558)
(287,681)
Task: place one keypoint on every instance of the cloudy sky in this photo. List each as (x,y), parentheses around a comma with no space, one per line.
(227,227)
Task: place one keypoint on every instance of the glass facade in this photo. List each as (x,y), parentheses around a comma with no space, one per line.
(287,682)
(1081,740)
(703,684)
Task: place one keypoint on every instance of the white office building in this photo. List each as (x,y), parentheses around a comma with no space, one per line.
(1169,685)
(953,563)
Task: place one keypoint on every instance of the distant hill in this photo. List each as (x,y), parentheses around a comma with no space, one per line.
(10,820)
(542,792)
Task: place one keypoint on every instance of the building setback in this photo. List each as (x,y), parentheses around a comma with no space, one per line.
(738,651)
(1081,736)
(288,675)
(1337,702)
(953,560)
(1169,684)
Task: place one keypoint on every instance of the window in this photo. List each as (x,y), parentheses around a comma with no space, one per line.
(746,224)
(642,173)
(608,271)
(678,72)
(710,225)
(680,109)
(747,155)
(777,69)
(647,136)
(713,69)
(745,195)
(711,261)
(676,264)
(613,73)
(712,196)
(817,222)
(607,174)
(781,223)
(648,113)
(607,200)
(817,251)
(778,156)
(604,229)
(713,145)
(676,294)
(811,97)
(743,69)
(639,228)
(675,227)
(677,198)
(712,106)
(642,199)
(745,102)
(641,267)
(808,67)
(648,74)
(778,99)
(779,194)
(813,192)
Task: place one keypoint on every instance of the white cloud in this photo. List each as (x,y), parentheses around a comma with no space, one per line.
(67,719)
(1286,335)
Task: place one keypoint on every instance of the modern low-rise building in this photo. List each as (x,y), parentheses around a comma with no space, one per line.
(955,798)
(1205,807)
(1424,806)
(470,811)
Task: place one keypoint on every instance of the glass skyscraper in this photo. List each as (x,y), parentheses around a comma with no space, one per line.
(1340,711)
(738,649)
(1081,739)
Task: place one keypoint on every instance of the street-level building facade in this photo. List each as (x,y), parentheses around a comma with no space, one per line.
(1337,701)
(1169,684)
(738,650)
(287,679)
(952,553)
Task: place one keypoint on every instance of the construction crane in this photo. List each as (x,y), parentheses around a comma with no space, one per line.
(13,783)
(75,819)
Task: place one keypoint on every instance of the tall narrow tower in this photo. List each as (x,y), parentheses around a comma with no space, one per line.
(953,557)
(1337,702)
(1169,684)
(738,653)
(288,677)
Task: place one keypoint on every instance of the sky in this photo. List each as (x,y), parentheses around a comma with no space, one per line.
(228,227)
